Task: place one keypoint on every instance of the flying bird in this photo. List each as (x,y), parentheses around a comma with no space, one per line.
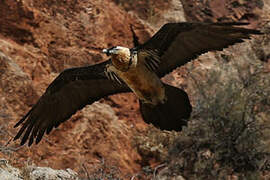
(136,70)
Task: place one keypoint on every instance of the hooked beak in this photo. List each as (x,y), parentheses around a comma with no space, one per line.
(106,51)
(109,52)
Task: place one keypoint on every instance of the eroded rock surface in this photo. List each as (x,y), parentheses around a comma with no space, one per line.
(39,39)
(8,172)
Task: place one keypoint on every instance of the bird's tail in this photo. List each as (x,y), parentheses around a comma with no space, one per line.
(171,115)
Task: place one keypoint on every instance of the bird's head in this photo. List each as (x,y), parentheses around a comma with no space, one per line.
(120,57)
(117,51)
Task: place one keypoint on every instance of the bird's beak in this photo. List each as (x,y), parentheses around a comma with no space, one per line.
(110,51)
(106,51)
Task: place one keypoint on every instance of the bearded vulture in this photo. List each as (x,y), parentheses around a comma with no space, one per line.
(136,70)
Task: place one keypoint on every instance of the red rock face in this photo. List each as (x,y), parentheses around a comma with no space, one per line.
(39,39)
(223,10)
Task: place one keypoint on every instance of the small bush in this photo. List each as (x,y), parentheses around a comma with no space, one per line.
(227,134)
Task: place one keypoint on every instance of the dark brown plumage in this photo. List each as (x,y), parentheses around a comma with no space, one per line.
(69,92)
(179,43)
(172,46)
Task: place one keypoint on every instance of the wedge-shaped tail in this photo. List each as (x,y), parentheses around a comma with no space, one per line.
(171,115)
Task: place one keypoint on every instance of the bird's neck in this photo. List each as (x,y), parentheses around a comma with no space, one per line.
(121,62)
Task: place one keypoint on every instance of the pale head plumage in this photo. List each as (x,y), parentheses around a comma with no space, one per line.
(120,57)
(116,50)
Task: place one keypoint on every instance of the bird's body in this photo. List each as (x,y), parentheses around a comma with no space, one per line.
(136,70)
(146,85)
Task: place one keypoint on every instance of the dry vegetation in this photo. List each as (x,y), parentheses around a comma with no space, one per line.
(228,134)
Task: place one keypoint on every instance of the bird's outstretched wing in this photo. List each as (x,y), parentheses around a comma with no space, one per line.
(70,91)
(179,43)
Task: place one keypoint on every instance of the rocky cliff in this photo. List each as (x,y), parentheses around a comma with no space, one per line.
(39,39)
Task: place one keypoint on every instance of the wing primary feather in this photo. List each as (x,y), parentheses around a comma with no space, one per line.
(18,123)
(34,133)
(57,124)
(31,139)
(26,134)
(25,125)
(24,117)
(40,135)
(20,132)
(49,129)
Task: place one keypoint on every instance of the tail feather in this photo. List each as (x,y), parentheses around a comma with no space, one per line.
(171,115)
